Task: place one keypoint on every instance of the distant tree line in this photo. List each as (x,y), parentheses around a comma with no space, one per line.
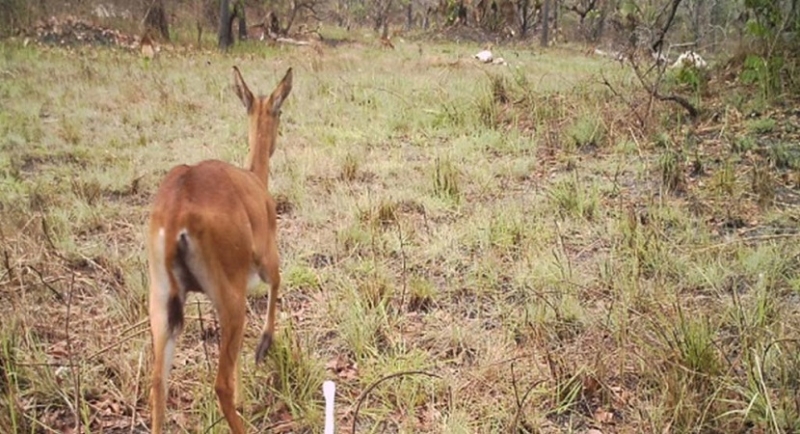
(697,23)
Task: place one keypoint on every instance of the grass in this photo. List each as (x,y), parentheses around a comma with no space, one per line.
(507,229)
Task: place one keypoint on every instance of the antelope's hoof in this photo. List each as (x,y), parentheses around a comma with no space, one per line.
(263,347)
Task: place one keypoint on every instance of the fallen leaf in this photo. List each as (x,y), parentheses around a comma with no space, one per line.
(343,368)
(603,416)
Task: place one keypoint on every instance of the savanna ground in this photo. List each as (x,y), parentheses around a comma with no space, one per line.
(515,232)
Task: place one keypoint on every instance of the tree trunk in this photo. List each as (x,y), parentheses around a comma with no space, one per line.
(155,22)
(290,20)
(225,34)
(556,14)
(697,23)
(409,16)
(599,24)
(545,23)
(523,18)
(242,21)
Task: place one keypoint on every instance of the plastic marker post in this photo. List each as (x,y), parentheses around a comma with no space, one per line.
(329,391)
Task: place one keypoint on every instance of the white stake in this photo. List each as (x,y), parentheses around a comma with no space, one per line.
(329,391)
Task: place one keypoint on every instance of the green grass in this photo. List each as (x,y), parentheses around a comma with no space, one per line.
(502,228)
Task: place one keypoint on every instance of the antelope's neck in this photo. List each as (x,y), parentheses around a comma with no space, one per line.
(258,157)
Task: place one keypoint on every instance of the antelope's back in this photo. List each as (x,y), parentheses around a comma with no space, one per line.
(219,204)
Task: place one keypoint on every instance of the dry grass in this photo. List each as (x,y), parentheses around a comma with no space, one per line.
(509,230)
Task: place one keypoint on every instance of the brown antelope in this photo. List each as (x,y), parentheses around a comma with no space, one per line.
(212,230)
(146,46)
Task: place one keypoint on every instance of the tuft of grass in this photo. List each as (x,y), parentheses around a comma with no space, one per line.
(349,170)
(354,238)
(694,339)
(725,178)
(12,416)
(673,178)
(300,277)
(363,330)
(422,294)
(446,180)
(296,377)
(784,155)
(742,144)
(386,213)
(761,125)
(573,198)
(587,132)
(763,185)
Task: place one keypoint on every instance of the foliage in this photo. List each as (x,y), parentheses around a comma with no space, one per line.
(764,72)
(775,57)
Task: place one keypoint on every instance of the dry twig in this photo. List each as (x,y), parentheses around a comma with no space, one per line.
(405,267)
(372,386)
(520,402)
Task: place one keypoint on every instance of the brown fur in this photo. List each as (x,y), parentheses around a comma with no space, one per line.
(387,43)
(219,224)
(147,47)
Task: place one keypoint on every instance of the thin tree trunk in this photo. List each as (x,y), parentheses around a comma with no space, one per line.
(156,20)
(556,9)
(545,23)
(290,20)
(242,21)
(523,24)
(697,27)
(225,34)
(599,27)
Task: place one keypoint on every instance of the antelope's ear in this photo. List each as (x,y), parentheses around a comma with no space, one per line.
(241,89)
(281,92)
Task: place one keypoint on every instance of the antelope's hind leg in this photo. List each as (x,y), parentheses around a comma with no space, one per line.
(166,320)
(270,273)
(232,320)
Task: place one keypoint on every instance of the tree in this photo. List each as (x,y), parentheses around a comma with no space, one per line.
(297,6)
(239,12)
(583,8)
(226,18)
(225,35)
(381,13)
(545,22)
(155,20)
(527,13)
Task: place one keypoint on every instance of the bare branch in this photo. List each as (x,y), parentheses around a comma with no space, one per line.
(522,403)
(47,285)
(652,89)
(619,95)
(659,42)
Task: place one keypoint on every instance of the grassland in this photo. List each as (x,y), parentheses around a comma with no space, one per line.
(513,231)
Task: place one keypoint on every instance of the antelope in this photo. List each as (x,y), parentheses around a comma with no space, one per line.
(146,46)
(212,229)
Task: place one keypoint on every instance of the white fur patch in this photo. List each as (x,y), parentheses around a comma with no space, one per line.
(159,297)
(159,271)
(169,353)
(253,280)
